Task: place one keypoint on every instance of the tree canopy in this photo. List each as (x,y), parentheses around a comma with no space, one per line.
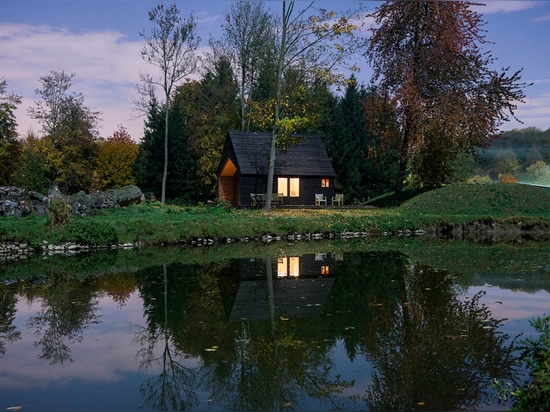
(429,56)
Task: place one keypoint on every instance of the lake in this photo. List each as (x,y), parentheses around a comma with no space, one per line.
(359,325)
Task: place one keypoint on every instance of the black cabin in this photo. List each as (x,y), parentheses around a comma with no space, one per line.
(303,172)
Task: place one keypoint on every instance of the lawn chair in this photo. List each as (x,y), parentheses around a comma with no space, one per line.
(320,198)
(338,199)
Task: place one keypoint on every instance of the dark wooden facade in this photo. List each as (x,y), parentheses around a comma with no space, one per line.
(300,287)
(304,169)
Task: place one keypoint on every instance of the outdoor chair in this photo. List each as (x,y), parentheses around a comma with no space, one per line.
(320,198)
(338,199)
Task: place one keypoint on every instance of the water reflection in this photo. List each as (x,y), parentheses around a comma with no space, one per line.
(266,334)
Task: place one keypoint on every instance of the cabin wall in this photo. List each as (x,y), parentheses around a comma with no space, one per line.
(229,189)
(309,186)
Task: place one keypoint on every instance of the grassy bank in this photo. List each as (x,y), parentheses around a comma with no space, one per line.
(154,223)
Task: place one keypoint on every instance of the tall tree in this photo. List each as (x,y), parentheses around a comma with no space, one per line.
(9,146)
(70,132)
(149,165)
(246,41)
(170,46)
(428,55)
(210,108)
(318,45)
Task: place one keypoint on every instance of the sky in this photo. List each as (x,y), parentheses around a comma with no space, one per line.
(99,42)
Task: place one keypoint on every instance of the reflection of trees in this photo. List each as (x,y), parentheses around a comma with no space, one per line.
(245,366)
(164,293)
(119,287)
(8,332)
(68,308)
(432,349)
(276,363)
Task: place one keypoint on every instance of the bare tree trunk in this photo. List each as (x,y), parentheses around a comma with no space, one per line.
(165,171)
(403,159)
(278,91)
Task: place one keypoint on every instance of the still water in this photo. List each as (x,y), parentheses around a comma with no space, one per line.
(325,327)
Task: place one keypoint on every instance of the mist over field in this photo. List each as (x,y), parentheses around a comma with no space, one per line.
(521,156)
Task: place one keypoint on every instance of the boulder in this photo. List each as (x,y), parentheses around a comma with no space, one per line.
(20,203)
(82,203)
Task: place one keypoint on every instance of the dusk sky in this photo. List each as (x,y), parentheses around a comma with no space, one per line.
(99,41)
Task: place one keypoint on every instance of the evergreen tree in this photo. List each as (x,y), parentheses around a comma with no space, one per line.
(149,167)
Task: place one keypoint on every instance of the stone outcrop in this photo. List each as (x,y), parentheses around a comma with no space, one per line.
(19,202)
(82,203)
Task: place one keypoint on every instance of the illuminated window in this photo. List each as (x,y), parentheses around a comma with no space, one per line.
(325,270)
(286,186)
(325,182)
(294,267)
(281,267)
(288,267)
(282,186)
(294,187)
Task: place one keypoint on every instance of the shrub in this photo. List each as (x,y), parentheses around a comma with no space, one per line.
(534,395)
(59,212)
(88,232)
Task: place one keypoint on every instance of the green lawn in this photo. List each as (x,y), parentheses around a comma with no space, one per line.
(154,223)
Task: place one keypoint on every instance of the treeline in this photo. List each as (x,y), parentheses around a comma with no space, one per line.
(358,128)
(264,75)
(518,155)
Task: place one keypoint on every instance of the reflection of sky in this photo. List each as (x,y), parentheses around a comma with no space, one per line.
(106,352)
(517,307)
(105,373)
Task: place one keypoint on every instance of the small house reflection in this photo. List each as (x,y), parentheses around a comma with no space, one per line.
(301,286)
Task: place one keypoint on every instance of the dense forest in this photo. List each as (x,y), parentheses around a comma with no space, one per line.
(251,80)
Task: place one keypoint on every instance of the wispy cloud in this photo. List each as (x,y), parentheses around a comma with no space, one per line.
(106,65)
(506,6)
(541,18)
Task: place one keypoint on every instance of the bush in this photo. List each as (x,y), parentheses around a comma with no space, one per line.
(59,212)
(88,232)
(534,395)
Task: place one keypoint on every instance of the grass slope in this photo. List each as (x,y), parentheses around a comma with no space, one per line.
(497,200)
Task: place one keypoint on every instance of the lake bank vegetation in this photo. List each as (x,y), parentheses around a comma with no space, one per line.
(455,211)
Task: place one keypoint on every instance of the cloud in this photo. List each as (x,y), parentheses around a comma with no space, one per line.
(105,63)
(541,18)
(506,6)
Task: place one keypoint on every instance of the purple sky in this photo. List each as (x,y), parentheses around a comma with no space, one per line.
(99,41)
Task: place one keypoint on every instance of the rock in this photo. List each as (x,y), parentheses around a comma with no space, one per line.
(20,203)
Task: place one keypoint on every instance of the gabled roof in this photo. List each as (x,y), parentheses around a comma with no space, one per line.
(250,152)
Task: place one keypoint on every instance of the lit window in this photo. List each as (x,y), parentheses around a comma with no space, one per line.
(287,185)
(294,267)
(325,270)
(325,182)
(294,187)
(282,186)
(281,267)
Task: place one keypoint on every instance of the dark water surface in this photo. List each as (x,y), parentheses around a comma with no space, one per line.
(405,327)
